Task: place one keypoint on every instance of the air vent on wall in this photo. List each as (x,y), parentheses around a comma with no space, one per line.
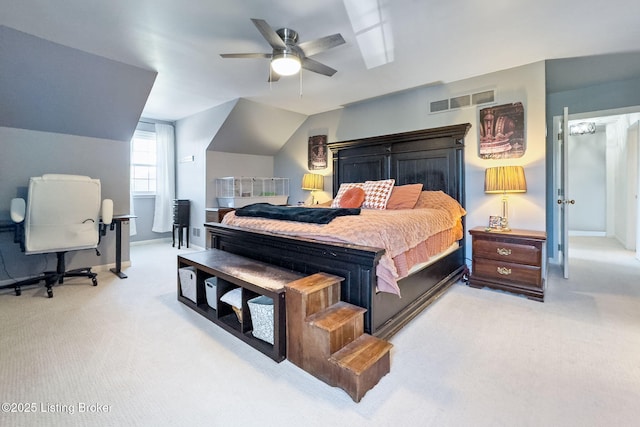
(485,97)
(439,105)
(462,101)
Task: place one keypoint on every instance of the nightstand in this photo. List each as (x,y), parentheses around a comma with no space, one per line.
(513,261)
(216,214)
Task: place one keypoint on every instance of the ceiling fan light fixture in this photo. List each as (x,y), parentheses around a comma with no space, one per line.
(285,64)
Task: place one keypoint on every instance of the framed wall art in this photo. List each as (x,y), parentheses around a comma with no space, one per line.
(502,132)
(317,152)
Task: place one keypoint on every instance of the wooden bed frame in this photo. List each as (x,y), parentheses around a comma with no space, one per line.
(433,157)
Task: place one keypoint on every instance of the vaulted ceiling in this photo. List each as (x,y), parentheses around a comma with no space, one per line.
(390,45)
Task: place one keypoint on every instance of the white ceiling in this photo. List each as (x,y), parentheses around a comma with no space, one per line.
(429,41)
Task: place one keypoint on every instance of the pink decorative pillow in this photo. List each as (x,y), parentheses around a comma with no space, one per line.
(352,198)
(377,193)
(343,188)
(440,200)
(404,196)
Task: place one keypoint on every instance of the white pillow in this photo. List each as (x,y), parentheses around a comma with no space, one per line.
(233,297)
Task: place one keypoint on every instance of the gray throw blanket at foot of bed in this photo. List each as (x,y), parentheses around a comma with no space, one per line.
(294,213)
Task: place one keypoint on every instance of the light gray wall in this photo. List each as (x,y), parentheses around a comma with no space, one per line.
(144,208)
(291,161)
(193,136)
(27,153)
(49,87)
(408,111)
(254,128)
(588,181)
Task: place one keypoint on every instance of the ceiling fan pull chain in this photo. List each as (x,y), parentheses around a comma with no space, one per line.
(300,83)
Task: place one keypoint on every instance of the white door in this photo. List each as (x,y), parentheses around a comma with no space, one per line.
(633,178)
(563,200)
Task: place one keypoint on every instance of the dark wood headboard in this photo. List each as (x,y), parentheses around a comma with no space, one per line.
(433,157)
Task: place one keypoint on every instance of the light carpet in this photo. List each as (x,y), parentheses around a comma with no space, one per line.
(127,353)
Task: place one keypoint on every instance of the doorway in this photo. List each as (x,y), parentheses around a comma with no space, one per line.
(602,166)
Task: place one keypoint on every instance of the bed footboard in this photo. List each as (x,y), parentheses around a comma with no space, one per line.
(386,313)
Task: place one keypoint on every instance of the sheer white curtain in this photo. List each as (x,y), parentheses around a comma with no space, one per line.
(165,179)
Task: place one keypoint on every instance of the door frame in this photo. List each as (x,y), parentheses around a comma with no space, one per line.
(556,219)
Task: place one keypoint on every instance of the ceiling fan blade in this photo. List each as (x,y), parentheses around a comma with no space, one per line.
(317,67)
(313,47)
(269,34)
(246,55)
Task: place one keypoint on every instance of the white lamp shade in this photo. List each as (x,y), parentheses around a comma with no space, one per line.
(285,64)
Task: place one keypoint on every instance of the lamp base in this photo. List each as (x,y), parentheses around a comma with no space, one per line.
(313,199)
(504,221)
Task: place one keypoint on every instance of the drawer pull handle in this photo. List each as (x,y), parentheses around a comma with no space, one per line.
(503,251)
(504,271)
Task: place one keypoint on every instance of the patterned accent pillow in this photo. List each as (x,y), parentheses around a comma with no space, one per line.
(343,188)
(377,193)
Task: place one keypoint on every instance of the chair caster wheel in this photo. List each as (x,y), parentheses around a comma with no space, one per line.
(18,291)
(50,293)
(94,281)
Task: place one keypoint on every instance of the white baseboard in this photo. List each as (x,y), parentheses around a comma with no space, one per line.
(163,241)
(150,242)
(579,233)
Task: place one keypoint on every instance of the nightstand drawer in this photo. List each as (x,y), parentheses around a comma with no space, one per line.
(505,250)
(507,272)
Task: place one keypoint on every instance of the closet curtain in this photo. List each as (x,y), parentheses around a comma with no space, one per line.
(165,179)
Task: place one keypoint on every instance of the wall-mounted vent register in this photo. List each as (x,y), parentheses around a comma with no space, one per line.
(462,101)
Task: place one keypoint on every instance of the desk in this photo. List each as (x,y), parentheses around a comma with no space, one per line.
(117,222)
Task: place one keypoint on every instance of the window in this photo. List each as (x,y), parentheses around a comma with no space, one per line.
(143,163)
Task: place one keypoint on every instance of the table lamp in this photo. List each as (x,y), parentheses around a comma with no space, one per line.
(313,182)
(505,179)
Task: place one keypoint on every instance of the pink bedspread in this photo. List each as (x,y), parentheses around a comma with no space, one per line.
(419,232)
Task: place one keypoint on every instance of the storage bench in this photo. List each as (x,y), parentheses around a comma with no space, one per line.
(254,278)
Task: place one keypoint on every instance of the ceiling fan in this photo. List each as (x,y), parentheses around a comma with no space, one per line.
(288,56)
